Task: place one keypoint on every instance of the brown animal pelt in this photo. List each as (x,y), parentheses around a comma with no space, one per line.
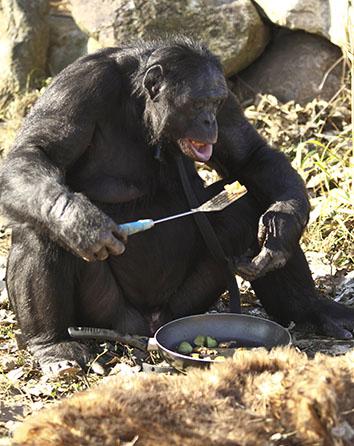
(258,398)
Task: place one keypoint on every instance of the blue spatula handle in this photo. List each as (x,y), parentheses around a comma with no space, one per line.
(136,226)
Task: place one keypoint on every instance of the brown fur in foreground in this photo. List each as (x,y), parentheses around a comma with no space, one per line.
(281,398)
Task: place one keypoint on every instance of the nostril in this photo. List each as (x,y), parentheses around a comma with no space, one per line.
(207,119)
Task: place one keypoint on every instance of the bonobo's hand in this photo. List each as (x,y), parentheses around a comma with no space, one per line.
(84,229)
(102,242)
(278,233)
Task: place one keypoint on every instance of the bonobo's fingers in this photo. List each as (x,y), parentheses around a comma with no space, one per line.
(246,270)
(105,245)
(262,233)
(267,260)
(102,254)
(118,234)
(87,256)
(114,245)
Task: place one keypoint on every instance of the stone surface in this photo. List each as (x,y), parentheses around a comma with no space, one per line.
(231,29)
(23,44)
(67,42)
(293,67)
(327,18)
(345,290)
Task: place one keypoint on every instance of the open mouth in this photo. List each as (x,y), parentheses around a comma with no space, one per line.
(197,150)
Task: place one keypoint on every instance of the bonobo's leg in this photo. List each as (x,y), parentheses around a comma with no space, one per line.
(289,294)
(50,289)
(40,281)
(101,303)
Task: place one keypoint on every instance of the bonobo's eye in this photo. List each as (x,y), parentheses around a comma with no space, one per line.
(199,104)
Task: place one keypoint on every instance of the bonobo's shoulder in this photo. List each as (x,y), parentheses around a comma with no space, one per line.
(112,56)
(91,79)
(92,66)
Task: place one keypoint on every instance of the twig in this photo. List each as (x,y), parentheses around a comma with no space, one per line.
(333,98)
(327,73)
(347,412)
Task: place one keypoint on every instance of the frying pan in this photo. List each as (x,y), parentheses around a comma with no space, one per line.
(248,331)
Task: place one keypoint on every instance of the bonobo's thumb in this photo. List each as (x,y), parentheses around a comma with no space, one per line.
(262,232)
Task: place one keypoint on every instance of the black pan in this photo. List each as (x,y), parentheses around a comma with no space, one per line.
(248,331)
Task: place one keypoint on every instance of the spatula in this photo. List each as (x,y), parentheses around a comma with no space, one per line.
(231,193)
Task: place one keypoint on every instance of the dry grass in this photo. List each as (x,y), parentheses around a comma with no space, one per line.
(12,115)
(60,6)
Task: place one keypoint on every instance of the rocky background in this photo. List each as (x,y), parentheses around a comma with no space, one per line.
(291,49)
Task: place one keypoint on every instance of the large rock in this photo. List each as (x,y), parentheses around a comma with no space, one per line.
(327,18)
(67,41)
(295,66)
(232,29)
(23,44)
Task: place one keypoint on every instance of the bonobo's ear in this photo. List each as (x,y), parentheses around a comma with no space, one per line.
(152,80)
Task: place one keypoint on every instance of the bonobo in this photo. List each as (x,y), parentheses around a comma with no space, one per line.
(100,148)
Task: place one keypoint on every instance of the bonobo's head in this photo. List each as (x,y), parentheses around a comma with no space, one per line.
(184,87)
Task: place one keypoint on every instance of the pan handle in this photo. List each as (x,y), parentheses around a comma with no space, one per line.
(152,345)
(139,342)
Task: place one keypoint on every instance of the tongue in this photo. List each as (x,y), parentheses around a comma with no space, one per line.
(203,153)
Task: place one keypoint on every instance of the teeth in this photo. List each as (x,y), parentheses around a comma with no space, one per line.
(197,143)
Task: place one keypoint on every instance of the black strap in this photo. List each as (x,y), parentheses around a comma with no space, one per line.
(210,238)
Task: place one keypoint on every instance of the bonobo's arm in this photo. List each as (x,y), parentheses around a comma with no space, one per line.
(242,153)
(53,136)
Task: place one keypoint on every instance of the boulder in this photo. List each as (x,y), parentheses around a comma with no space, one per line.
(295,66)
(232,29)
(23,44)
(67,42)
(327,18)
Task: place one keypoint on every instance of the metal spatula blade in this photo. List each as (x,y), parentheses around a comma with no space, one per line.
(231,193)
(223,199)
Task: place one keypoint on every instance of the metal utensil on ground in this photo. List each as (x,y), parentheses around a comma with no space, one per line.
(104,334)
(231,193)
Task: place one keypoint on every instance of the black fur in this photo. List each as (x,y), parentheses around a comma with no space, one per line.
(84,160)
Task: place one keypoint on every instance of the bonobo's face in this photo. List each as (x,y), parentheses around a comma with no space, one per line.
(185,111)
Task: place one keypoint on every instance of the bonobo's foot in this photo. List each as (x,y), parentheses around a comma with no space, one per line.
(59,368)
(333,319)
(67,357)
